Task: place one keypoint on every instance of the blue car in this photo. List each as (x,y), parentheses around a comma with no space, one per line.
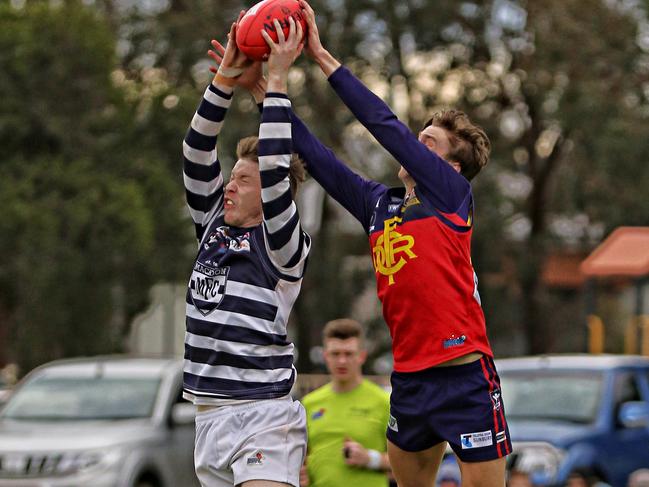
(577,412)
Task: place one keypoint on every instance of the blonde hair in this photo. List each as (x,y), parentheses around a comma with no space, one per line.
(247,148)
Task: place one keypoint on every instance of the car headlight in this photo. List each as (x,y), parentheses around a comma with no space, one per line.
(540,460)
(79,462)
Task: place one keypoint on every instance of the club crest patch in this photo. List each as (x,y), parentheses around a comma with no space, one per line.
(392,424)
(207,286)
(495,399)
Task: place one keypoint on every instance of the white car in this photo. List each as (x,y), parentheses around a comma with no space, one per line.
(100,422)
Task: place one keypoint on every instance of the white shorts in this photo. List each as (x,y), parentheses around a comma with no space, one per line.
(259,440)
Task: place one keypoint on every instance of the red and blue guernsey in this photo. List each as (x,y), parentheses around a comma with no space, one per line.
(421,247)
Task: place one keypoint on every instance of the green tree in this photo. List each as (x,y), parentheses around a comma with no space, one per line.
(90,216)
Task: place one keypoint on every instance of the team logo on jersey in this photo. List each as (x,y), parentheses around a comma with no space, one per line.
(454,341)
(495,399)
(318,414)
(391,250)
(207,286)
(256,459)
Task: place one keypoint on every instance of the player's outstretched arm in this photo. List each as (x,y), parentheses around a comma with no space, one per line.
(355,193)
(201,168)
(286,242)
(314,47)
(432,174)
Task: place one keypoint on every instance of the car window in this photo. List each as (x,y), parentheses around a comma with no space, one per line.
(626,389)
(83,398)
(572,396)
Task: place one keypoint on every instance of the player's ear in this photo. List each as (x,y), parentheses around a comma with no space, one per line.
(362,356)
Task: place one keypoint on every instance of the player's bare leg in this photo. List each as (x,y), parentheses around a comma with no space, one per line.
(483,474)
(416,469)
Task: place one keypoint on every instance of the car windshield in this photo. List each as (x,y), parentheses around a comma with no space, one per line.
(552,395)
(83,398)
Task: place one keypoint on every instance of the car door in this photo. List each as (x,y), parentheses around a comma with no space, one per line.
(627,447)
(181,447)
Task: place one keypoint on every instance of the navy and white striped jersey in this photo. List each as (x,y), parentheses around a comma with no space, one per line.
(245,280)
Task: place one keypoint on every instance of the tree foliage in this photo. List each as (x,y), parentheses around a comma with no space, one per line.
(96,98)
(91,217)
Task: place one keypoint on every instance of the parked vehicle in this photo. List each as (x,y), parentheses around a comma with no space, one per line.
(578,412)
(4,391)
(100,422)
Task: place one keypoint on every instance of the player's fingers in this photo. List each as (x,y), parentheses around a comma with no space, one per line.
(218,46)
(215,56)
(241,14)
(299,31)
(309,11)
(280,32)
(269,40)
(214,70)
(291,31)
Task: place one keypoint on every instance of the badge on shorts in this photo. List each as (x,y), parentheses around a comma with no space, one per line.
(392,424)
(495,399)
(476,440)
(256,459)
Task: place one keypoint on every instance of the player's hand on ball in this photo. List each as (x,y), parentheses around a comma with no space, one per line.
(232,60)
(252,75)
(313,44)
(286,50)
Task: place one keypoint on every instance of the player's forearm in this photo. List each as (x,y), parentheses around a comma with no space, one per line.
(281,220)
(344,185)
(326,61)
(376,116)
(277,82)
(201,168)
(433,175)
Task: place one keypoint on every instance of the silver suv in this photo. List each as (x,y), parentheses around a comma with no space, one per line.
(100,422)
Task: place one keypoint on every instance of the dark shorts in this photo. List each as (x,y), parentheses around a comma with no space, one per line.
(460,404)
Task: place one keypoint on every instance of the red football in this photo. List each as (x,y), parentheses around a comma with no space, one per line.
(260,17)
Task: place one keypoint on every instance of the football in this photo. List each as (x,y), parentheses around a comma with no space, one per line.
(260,17)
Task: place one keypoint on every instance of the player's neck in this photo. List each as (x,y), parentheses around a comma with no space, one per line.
(340,386)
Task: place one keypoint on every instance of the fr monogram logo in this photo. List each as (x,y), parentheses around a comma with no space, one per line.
(391,246)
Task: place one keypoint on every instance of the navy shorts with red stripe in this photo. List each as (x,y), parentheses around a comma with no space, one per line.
(461,404)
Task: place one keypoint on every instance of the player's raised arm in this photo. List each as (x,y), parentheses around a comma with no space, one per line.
(432,173)
(355,193)
(201,170)
(288,245)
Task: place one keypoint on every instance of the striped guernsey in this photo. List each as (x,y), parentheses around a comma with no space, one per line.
(245,280)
